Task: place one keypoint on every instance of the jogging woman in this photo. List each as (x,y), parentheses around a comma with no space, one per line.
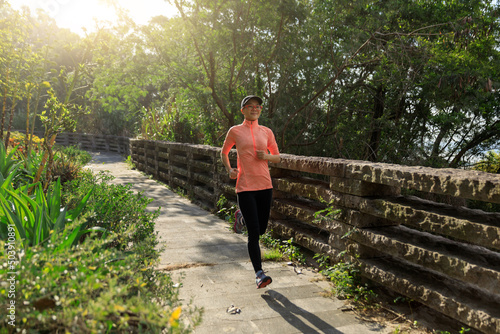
(255,145)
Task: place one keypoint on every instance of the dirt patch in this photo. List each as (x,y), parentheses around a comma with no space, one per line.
(178,266)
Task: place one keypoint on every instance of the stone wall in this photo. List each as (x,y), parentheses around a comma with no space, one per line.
(443,255)
(91,142)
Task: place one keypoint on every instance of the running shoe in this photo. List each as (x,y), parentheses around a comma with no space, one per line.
(239,222)
(262,280)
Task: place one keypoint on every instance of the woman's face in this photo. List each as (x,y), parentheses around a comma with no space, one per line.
(252,110)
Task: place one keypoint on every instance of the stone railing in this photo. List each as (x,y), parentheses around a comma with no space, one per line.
(444,256)
(92,142)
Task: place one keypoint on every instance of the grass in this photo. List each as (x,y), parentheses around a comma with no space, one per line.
(273,255)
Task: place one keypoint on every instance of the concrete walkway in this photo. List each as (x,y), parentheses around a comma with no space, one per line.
(212,264)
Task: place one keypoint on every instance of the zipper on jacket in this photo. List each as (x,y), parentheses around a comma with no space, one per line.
(253,138)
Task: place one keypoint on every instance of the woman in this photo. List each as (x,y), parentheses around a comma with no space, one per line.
(253,181)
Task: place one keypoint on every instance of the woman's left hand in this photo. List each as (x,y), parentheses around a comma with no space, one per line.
(261,155)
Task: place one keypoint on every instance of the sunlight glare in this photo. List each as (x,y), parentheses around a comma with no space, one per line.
(83,15)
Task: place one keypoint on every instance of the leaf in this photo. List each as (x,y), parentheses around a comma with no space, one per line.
(72,214)
(60,221)
(70,239)
(54,200)
(119,308)
(13,220)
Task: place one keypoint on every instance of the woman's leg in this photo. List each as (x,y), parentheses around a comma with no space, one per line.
(248,206)
(255,207)
(264,200)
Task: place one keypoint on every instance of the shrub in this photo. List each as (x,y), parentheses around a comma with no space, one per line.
(348,282)
(75,155)
(225,209)
(106,283)
(8,163)
(115,208)
(93,289)
(38,218)
(287,248)
(64,169)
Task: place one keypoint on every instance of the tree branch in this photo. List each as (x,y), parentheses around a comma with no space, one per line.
(322,90)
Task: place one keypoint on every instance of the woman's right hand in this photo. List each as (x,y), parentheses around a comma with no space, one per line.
(233,173)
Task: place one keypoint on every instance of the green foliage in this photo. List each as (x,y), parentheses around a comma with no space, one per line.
(490,163)
(8,163)
(322,260)
(92,288)
(269,241)
(116,208)
(68,163)
(130,162)
(76,155)
(411,82)
(329,212)
(287,248)
(292,251)
(38,219)
(348,283)
(347,280)
(226,211)
(64,169)
(57,116)
(86,280)
(31,161)
(272,255)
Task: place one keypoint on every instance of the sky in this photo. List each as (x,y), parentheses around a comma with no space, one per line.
(75,14)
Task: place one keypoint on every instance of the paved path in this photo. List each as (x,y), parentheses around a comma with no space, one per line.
(214,269)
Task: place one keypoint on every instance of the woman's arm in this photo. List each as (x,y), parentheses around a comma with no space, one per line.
(270,157)
(233,172)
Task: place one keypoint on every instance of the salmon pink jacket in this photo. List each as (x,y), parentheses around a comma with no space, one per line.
(249,137)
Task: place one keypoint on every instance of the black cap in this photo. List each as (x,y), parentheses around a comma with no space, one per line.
(248,98)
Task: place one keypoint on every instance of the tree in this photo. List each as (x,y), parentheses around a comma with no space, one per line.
(403,68)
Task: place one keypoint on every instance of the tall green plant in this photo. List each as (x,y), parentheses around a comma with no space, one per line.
(39,218)
(8,163)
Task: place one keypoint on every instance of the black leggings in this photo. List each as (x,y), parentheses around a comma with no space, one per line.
(255,207)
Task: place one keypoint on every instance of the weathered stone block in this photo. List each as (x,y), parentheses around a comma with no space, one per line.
(459,301)
(163,155)
(315,190)
(477,266)
(454,182)
(473,226)
(297,210)
(203,179)
(360,219)
(317,165)
(179,171)
(203,193)
(362,188)
(315,242)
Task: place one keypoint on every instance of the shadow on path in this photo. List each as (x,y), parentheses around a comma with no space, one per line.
(291,312)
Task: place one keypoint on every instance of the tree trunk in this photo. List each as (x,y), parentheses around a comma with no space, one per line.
(4,104)
(378,111)
(14,102)
(215,96)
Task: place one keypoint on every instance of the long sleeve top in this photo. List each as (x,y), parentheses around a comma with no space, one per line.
(249,137)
